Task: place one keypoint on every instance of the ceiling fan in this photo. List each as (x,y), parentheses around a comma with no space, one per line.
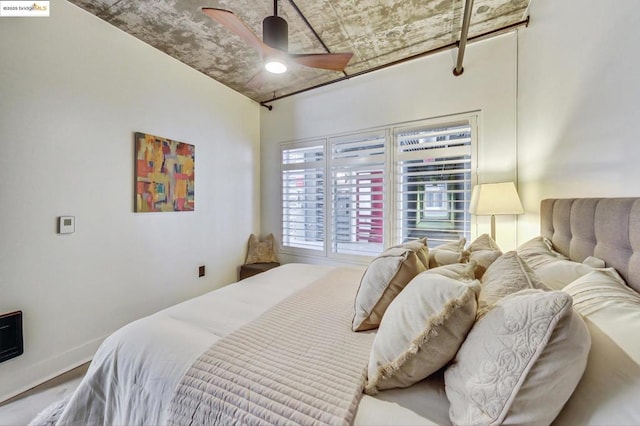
(275,44)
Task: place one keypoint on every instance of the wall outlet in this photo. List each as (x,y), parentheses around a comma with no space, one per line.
(201,271)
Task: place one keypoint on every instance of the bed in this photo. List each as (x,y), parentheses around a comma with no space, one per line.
(134,375)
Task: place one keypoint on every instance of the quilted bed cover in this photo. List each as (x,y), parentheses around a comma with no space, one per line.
(136,371)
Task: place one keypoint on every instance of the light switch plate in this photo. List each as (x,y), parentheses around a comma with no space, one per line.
(66,224)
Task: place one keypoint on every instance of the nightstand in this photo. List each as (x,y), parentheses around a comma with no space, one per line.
(251,269)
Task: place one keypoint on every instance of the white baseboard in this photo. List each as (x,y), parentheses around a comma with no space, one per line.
(35,374)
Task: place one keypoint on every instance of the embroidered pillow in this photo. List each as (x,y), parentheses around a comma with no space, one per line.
(383,280)
(261,251)
(421,331)
(520,363)
(448,253)
(484,250)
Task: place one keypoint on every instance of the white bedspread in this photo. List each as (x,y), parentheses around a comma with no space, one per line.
(135,372)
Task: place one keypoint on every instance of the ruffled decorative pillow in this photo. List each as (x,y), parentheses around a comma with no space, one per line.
(484,250)
(261,251)
(383,280)
(448,253)
(421,330)
(520,363)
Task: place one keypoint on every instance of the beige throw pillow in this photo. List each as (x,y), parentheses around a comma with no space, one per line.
(420,248)
(456,271)
(421,331)
(520,363)
(539,251)
(507,275)
(383,280)
(484,250)
(261,251)
(448,253)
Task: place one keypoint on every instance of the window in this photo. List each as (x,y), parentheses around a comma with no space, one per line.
(433,175)
(303,207)
(356,194)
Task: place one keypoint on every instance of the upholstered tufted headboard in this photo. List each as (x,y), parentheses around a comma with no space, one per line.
(608,228)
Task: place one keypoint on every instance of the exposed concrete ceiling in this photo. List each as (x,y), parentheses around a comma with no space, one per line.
(378,32)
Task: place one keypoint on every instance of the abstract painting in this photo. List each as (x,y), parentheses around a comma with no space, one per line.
(165,179)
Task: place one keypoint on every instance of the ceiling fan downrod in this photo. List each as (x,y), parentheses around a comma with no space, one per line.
(275,30)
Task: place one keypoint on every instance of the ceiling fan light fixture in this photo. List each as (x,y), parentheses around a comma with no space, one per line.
(275,65)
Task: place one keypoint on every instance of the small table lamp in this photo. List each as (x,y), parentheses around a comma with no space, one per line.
(495,198)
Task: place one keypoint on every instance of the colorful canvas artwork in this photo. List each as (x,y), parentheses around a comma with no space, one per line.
(165,179)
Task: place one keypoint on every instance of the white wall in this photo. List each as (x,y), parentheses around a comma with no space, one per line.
(578,103)
(73,90)
(419,89)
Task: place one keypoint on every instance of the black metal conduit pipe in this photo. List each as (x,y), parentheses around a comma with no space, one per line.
(478,37)
(464,33)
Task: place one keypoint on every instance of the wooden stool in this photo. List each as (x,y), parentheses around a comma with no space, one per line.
(251,269)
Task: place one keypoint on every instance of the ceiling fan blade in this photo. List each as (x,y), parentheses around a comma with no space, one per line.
(230,21)
(257,80)
(325,61)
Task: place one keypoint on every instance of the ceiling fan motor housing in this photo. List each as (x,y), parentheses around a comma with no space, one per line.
(275,33)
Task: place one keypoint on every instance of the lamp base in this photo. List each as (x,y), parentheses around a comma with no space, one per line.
(493,227)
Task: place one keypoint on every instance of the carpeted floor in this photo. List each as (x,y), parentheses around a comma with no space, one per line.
(22,409)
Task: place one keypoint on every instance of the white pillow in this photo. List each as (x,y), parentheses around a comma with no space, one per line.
(484,251)
(420,248)
(594,262)
(421,330)
(447,253)
(604,298)
(520,362)
(456,271)
(383,280)
(539,251)
(559,273)
(507,275)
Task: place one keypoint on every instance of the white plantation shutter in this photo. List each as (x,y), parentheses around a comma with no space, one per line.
(357,193)
(303,204)
(433,175)
(353,195)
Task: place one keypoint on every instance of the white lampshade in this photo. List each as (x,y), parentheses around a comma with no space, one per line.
(495,198)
